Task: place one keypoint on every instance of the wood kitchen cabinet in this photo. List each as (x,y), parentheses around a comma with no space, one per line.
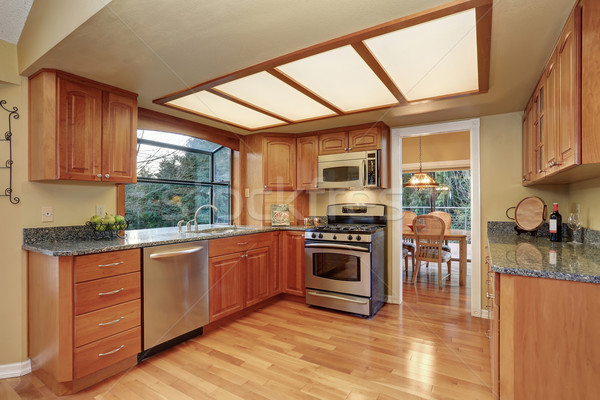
(84,317)
(292,263)
(353,139)
(80,129)
(545,329)
(308,151)
(279,162)
(527,145)
(493,296)
(241,271)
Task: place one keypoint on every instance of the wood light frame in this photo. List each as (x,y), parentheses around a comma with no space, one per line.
(483,13)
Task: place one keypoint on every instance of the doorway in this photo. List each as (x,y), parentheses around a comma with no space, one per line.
(472,126)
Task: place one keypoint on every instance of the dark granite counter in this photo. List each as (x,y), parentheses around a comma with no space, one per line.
(74,241)
(526,255)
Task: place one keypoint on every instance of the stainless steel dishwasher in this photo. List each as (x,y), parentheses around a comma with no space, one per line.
(175,294)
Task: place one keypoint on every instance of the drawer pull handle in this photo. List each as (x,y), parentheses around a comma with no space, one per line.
(111,265)
(110,322)
(242,243)
(111,352)
(112,292)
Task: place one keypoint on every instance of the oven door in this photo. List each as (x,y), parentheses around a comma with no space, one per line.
(341,173)
(337,267)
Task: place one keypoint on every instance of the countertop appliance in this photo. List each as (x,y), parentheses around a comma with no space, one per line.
(357,169)
(345,259)
(175,285)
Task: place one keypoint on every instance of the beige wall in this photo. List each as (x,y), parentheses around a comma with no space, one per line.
(8,67)
(443,147)
(73,204)
(586,196)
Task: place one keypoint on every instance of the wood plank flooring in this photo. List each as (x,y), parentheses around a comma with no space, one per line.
(427,348)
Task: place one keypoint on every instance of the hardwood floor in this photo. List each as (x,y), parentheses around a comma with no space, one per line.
(429,347)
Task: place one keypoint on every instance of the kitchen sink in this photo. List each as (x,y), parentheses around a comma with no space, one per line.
(222,230)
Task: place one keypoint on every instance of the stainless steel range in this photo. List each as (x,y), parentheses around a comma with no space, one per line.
(345,259)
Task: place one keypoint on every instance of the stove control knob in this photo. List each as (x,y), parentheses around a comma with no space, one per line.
(349,237)
(357,237)
(334,237)
(314,235)
(320,236)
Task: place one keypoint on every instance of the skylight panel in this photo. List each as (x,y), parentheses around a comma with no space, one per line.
(432,59)
(216,107)
(341,77)
(271,94)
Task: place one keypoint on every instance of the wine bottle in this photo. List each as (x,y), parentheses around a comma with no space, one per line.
(555,222)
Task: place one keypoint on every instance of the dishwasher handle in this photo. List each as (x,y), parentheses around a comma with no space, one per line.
(175,253)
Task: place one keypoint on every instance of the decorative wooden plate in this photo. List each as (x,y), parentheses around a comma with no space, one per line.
(530,213)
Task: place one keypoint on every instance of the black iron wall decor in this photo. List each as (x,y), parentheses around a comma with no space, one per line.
(8,192)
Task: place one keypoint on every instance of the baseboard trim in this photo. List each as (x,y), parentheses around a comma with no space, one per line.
(392,299)
(15,370)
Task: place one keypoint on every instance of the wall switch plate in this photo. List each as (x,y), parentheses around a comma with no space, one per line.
(246,192)
(100,211)
(47,214)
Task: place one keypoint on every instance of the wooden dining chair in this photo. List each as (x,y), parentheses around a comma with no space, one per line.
(407,218)
(429,232)
(447,218)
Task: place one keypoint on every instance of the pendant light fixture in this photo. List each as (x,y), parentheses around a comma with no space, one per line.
(421,180)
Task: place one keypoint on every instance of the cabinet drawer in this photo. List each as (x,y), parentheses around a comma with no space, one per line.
(219,247)
(108,351)
(102,265)
(108,321)
(94,295)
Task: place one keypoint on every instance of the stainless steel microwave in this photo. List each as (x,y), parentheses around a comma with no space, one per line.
(359,169)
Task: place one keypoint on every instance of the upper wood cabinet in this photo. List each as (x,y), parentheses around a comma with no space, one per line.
(307,148)
(279,162)
(368,138)
(80,129)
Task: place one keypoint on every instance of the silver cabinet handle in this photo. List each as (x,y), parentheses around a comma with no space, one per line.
(110,322)
(316,185)
(242,243)
(99,176)
(112,292)
(349,148)
(106,175)
(111,352)
(330,296)
(489,296)
(111,265)
(488,334)
(524,179)
(175,253)
(265,186)
(244,255)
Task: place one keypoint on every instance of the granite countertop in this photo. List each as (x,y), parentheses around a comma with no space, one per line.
(62,245)
(526,255)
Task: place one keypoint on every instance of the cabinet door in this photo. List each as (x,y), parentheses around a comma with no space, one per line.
(293,263)
(551,118)
(568,88)
(258,265)
(80,131)
(307,162)
(331,143)
(119,137)
(528,151)
(539,109)
(276,262)
(225,294)
(279,163)
(364,139)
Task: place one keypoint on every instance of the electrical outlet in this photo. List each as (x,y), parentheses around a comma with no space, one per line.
(100,210)
(47,214)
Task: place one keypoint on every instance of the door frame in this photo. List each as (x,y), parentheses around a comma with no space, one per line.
(471,125)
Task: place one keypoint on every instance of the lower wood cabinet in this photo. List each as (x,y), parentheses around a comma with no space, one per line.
(84,317)
(292,262)
(242,278)
(545,331)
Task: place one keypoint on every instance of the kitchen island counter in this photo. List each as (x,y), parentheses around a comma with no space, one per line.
(72,241)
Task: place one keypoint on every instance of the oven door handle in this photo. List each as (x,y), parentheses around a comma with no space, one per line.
(336,246)
(331,296)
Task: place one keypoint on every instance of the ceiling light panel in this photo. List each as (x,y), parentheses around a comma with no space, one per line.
(341,77)
(436,58)
(213,106)
(271,94)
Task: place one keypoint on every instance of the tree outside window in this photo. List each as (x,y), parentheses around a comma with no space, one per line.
(176,175)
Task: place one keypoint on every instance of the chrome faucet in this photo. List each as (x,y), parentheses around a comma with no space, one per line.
(198,210)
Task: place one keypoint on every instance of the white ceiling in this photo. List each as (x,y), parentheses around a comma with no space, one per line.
(13,14)
(156,47)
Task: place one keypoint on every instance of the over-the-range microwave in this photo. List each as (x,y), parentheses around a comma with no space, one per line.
(359,169)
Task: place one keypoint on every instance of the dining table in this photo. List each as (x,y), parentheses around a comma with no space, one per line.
(460,235)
